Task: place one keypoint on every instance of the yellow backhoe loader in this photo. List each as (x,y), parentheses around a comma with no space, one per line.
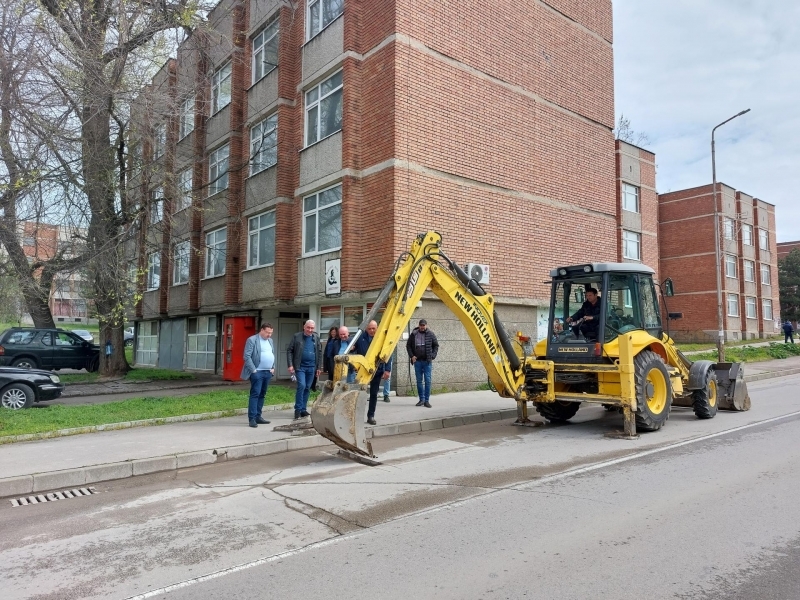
(620,357)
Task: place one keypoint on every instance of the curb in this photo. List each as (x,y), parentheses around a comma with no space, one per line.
(41,482)
(103,391)
(771,374)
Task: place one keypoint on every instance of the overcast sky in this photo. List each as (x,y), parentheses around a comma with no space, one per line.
(683,66)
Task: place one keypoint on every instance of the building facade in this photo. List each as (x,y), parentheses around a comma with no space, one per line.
(293,144)
(784,248)
(749,263)
(637,205)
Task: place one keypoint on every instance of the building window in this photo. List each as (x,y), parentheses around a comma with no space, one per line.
(631,245)
(147,343)
(729,229)
(186,122)
(733,305)
(750,307)
(180,263)
(322,13)
(265,51)
(216,243)
(264,144)
(763,239)
(159,140)
(766,308)
(201,343)
(184,190)
(630,197)
(324,109)
(322,221)
(747,235)
(221,88)
(153,271)
(749,270)
(218,170)
(261,240)
(765,276)
(157,205)
(730,266)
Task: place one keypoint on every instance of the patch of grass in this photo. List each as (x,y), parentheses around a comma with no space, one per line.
(52,418)
(753,354)
(713,345)
(142,374)
(78,377)
(129,354)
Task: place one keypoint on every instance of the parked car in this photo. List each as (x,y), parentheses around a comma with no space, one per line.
(83,334)
(31,348)
(20,388)
(129,336)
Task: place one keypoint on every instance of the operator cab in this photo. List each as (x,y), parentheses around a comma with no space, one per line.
(627,301)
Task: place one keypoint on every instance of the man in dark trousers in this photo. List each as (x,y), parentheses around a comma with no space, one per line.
(590,313)
(305,363)
(788,332)
(382,370)
(422,348)
(259,368)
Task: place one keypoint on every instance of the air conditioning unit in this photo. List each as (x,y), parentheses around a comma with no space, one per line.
(479,273)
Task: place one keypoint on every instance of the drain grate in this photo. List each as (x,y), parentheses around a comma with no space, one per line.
(53,496)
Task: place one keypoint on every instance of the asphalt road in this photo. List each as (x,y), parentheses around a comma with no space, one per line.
(702,510)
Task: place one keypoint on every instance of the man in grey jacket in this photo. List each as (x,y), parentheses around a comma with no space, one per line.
(259,367)
(305,363)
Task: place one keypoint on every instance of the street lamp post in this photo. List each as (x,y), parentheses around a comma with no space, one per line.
(717,252)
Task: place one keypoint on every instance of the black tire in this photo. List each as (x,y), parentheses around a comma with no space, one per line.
(25,363)
(705,400)
(653,391)
(93,365)
(558,411)
(128,343)
(17,396)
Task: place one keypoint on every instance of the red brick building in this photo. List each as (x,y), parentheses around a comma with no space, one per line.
(784,248)
(282,140)
(637,205)
(749,263)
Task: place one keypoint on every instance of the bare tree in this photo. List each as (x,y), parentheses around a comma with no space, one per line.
(624,132)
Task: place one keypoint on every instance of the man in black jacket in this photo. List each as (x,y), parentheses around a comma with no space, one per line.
(382,371)
(422,348)
(590,313)
(305,363)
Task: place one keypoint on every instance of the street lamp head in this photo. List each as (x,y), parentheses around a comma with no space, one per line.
(747,110)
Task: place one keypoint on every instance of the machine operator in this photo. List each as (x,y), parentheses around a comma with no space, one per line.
(590,313)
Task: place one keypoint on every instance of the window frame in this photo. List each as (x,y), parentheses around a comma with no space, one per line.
(153,276)
(310,106)
(180,256)
(184,199)
(747,234)
(208,333)
(750,303)
(159,140)
(626,193)
(732,297)
(186,125)
(222,76)
(212,247)
(216,177)
(275,22)
(257,232)
(310,34)
(156,205)
(626,244)
(728,228)
(316,211)
(752,270)
(766,309)
(763,239)
(149,339)
(262,150)
(768,273)
(730,259)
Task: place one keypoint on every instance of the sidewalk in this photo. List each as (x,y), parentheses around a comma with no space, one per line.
(79,460)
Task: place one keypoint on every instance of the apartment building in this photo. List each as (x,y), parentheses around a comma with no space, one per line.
(749,263)
(784,248)
(291,151)
(637,205)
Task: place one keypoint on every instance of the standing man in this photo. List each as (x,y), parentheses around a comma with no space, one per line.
(788,330)
(337,347)
(382,370)
(259,367)
(305,362)
(422,348)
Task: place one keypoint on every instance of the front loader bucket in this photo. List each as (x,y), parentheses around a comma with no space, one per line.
(338,414)
(732,387)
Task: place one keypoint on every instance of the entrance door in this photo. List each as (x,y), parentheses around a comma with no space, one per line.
(170,344)
(286,329)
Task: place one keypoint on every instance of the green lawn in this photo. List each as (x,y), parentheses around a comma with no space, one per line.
(752,354)
(52,418)
(713,345)
(141,374)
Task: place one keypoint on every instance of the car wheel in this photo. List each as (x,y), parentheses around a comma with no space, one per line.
(25,363)
(17,396)
(128,343)
(93,365)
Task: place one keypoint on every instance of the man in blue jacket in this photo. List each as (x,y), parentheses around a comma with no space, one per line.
(788,332)
(259,367)
(382,370)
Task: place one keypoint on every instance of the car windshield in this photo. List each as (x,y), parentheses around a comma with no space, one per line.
(569,298)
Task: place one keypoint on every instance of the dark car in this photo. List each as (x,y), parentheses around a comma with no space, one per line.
(54,349)
(20,388)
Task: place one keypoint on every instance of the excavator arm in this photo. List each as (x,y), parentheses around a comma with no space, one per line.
(338,414)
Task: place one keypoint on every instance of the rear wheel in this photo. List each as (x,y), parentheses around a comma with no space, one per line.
(704,400)
(653,391)
(25,363)
(17,396)
(558,411)
(93,365)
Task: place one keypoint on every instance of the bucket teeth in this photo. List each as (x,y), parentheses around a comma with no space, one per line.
(338,415)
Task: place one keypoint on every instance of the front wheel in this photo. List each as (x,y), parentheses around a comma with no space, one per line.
(653,391)
(17,396)
(557,412)
(704,400)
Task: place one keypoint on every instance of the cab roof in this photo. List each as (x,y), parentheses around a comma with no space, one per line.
(606,267)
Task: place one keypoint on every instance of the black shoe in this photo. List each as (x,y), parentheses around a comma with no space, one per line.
(420,403)
(427,405)
(386,399)
(261,421)
(371,421)
(296,415)
(253,423)
(305,413)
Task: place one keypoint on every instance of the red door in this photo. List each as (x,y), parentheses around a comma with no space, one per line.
(235,331)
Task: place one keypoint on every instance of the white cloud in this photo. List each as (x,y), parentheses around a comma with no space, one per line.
(683,66)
